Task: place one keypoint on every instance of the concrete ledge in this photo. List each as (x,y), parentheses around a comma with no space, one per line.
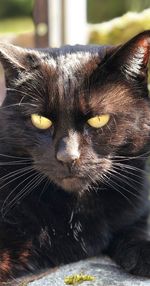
(105,271)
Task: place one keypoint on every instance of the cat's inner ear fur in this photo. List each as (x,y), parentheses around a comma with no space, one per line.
(132,58)
(15,61)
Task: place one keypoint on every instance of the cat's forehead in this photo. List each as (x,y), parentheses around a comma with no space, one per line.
(76,61)
(71,61)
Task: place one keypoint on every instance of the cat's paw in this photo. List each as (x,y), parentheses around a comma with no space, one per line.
(137,259)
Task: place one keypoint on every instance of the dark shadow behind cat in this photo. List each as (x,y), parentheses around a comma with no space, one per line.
(74,142)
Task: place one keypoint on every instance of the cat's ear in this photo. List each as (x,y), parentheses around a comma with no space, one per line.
(132,58)
(15,61)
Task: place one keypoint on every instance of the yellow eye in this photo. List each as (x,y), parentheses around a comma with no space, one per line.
(41,122)
(99,120)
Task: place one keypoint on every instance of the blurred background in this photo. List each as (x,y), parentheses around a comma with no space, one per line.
(42,23)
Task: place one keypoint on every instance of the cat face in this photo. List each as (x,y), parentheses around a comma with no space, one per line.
(75,110)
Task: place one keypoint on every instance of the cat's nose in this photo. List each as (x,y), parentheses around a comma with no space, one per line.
(68,150)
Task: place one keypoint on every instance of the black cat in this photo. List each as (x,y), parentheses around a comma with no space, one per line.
(74,142)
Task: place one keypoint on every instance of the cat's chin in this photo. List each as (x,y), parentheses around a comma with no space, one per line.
(73,184)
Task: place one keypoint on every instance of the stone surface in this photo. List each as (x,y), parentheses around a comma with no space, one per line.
(105,271)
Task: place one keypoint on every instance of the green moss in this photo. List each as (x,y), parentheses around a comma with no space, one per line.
(76,279)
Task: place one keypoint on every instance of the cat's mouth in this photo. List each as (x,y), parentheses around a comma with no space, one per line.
(72,183)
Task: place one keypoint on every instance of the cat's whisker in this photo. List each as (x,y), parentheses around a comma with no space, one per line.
(22,92)
(27,103)
(18,162)
(121,159)
(117,172)
(7,106)
(14,157)
(114,119)
(108,127)
(126,190)
(44,188)
(92,180)
(21,100)
(95,181)
(17,104)
(113,186)
(34,89)
(14,173)
(29,189)
(130,167)
(146,154)
(24,192)
(133,174)
(14,163)
(19,176)
(6,203)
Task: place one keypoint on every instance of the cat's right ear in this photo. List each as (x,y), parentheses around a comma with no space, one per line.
(131,59)
(15,61)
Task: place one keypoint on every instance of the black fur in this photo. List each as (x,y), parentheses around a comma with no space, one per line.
(58,210)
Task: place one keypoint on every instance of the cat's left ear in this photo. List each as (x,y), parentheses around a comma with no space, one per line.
(132,58)
(15,61)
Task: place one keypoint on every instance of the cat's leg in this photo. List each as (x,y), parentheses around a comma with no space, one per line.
(130,248)
(16,259)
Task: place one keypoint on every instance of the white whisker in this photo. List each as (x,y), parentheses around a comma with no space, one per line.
(6,204)
(24,173)
(113,186)
(24,192)
(130,167)
(126,190)
(23,93)
(14,173)
(128,172)
(116,171)
(44,188)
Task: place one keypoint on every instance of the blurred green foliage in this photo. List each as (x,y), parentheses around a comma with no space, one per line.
(13,8)
(120,29)
(16,25)
(104,10)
